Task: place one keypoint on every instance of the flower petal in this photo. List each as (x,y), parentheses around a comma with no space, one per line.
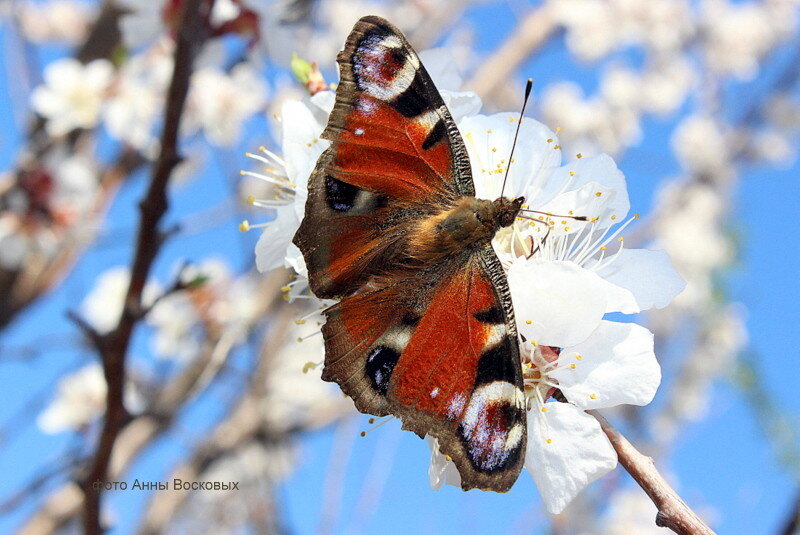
(556,303)
(303,123)
(441,471)
(617,366)
(648,275)
(276,238)
(577,453)
(462,104)
(441,66)
(488,140)
(576,185)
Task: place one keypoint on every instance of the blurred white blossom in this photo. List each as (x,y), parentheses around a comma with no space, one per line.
(60,21)
(80,399)
(73,94)
(102,307)
(221,102)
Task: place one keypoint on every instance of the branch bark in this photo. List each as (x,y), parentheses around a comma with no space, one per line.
(65,503)
(113,347)
(673,513)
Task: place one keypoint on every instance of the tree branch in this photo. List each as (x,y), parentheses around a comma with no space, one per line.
(673,513)
(191,34)
(494,74)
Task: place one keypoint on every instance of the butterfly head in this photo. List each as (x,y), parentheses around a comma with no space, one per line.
(506,210)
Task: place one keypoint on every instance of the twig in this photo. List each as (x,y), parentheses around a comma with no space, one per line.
(190,37)
(65,503)
(537,27)
(673,513)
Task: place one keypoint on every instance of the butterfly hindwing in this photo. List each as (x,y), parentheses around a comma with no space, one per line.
(394,150)
(439,351)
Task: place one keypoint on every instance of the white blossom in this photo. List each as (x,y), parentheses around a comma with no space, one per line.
(102,307)
(80,399)
(220,102)
(72,95)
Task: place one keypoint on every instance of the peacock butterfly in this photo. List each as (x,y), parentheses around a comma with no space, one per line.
(424,328)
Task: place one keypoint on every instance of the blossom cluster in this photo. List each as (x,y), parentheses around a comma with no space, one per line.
(567,268)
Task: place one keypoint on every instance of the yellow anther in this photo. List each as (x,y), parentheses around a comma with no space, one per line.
(262,148)
(603,248)
(636,216)
(528,322)
(613,217)
(244,226)
(558,129)
(593,396)
(572,173)
(489,131)
(620,239)
(579,156)
(250,200)
(566,228)
(579,357)
(598,194)
(494,149)
(544,409)
(285,288)
(550,140)
(549,440)
(242,172)
(534,343)
(300,322)
(573,366)
(449,459)
(308,365)
(556,147)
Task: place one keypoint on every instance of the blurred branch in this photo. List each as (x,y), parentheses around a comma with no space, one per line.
(531,34)
(244,423)
(673,513)
(65,504)
(792,525)
(113,347)
(39,274)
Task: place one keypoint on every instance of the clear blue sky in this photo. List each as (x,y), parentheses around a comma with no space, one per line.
(723,462)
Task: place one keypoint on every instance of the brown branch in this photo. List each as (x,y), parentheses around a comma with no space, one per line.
(192,32)
(673,513)
(66,503)
(245,422)
(531,34)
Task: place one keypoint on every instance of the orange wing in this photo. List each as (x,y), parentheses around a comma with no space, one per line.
(443,358)
(395,155)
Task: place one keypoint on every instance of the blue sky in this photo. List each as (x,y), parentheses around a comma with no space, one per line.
(723,463)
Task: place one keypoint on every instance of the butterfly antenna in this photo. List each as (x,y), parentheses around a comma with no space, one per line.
(528,87)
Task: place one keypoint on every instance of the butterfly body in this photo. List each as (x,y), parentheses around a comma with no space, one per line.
(424,328)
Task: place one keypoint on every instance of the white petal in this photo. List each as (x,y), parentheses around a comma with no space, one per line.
(648,275)
(441,471)
(462,104)
(274,241)
(586,177)
(578,453)
(441,66)
(617,366)
(563,302)
(488,140)
(301,144)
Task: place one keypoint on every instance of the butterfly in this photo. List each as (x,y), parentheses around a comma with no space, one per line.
(424,327)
